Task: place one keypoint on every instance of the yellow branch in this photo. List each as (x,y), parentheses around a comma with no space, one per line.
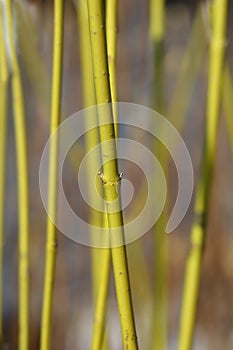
(188,73)
(23,181)
(100,257)
(157,35)
(198,231)
(111,37)
(99,340)
(160,318)
(51,245)
(110,178)
(4,80)
(228,102)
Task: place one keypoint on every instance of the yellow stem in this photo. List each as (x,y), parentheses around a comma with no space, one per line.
(198,231)
(187,77)
(228,102)
(99,327)
(189,69)
(4,79)
(51,245)
(29,49)
(157,35)
(110,179)
(111,37)
(23,180)
(100,257)
(160,317)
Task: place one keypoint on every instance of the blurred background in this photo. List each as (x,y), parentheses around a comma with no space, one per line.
(185,79)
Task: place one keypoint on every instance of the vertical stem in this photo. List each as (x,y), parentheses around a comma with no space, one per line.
(100,257)
(110,171)
(189,69)
(111,37)
(157,35)
(51,245)
(23,181)
(198,231)
(4,78)
(190,66)
(99,326)
(33,61)
(228,102)
(160,322)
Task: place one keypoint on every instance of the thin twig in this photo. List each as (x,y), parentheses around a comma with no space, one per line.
(51,245)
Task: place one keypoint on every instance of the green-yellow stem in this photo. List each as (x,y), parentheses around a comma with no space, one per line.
(51,245)
(187,77)
(23,180)
(4,79)
(160,318)
(32,60)
(228,102)
(157,36)
(198,231)
(111,37)
(100,257)
(99,326)
(110,171)
(188,73)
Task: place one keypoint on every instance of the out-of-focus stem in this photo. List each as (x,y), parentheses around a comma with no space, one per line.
(198,231)
(23,180)
(4,80)
(188,73)
(228,102)
(160,314)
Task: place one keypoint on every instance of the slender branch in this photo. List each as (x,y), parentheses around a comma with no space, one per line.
(23,180)
(228,102)
(157,35)
(198,231)
(160,317)
(110,171)
(188,73)
(51,245)
(4,81)
(111,37)
(100,257)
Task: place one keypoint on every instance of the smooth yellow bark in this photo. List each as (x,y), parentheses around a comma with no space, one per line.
(228,102)
(160,314)
(100,257)
(110,176)
(4,80)
(189,70)
(111,37)
(23,180)
(198,231)
(51,244)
